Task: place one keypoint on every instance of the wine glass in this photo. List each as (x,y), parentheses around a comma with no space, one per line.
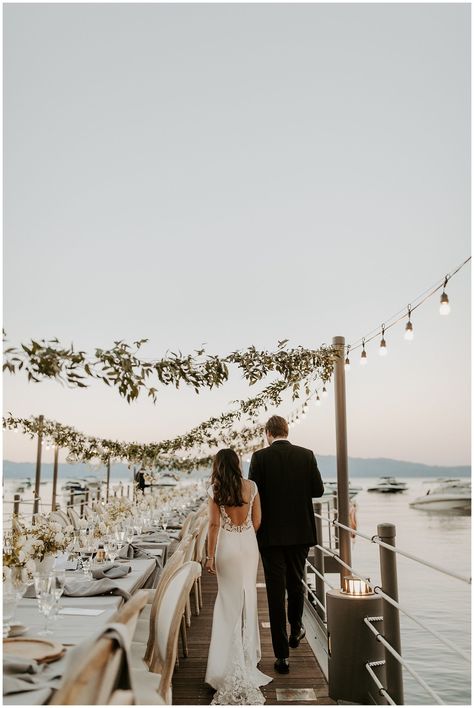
(129,534)
(112,549)
(9,606)
(46,597)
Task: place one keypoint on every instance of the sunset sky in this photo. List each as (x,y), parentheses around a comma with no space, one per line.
(232,175)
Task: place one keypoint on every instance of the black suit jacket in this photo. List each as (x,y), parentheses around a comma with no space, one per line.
(287,478)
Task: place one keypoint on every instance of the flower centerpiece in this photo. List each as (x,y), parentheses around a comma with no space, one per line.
(47,539)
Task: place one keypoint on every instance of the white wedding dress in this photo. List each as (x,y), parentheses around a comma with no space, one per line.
(235,643)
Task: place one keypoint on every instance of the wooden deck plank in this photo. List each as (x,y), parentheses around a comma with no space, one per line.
(188,680)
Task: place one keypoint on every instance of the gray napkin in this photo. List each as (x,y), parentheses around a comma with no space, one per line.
(87,588)
(130,550)
(111,570)
(79,655)
(21,674)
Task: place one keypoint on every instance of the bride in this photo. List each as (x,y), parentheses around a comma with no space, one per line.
(234,652)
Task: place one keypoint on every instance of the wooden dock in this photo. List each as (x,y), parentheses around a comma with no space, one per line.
(305,673)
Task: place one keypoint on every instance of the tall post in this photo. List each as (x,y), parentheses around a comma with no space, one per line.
(341,452)
(16,504)
(38,465)
(319,561)
(55,477)
(108,480)
(391,615)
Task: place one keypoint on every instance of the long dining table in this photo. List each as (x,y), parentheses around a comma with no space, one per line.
(72,629)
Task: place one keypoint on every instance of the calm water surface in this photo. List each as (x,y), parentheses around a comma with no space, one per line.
(441,602)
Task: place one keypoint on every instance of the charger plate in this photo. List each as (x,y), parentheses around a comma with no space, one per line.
(42,650)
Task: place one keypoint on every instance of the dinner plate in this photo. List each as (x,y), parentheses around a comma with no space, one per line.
(42,650)
(16,630)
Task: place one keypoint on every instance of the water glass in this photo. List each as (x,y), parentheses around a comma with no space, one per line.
(46,597)
(9,607)
(113,549)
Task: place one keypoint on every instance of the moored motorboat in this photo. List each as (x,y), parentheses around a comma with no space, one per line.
(445,495)
(388,485)
(331,487)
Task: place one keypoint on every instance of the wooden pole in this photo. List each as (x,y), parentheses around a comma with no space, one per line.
(55,477)
(108,480)
(38,466)
(16,504)
(341,450)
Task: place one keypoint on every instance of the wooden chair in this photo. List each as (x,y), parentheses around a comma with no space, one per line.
(199,555)
(76,520)
(153,686)
(145,632)
(60,517)
(95,680)
(186,524)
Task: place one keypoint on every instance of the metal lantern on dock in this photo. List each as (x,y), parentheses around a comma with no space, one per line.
(351,644)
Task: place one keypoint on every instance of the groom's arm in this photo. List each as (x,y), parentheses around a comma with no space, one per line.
(254,472)
(317,486)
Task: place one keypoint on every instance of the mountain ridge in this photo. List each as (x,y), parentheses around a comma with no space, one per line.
(358,467)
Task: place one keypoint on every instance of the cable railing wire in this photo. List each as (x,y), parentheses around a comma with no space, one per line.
(395,549)
(368,621)
(379,591)
(382,691)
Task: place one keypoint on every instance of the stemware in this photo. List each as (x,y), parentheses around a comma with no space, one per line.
(46,597)
(9,606)
(112,546)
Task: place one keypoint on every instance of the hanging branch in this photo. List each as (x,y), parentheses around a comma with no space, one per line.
(122,368)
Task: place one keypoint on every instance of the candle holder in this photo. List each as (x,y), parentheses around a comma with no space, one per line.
(356,586)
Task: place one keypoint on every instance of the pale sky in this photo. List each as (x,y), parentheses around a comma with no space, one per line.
(234,175)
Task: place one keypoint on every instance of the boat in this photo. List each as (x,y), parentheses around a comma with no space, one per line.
(331,487)
(444,495)
(388,485)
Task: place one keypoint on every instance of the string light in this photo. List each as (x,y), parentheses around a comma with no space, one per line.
(444,307)
(347,363)
(383,343)
(318,400)
(409,327)
(324,393)
(363,354)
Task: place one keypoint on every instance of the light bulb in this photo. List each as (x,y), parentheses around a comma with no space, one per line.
(15,430)
(347,364)
(363,357)
(409,331)
(383,347)
(297,420)
(324,392)
(444,307)
(318,401)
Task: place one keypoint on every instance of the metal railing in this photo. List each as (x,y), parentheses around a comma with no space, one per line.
(388,554)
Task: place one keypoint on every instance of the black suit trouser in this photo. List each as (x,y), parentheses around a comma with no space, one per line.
(284,571)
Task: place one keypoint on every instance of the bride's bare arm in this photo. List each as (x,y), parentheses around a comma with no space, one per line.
(212,533)
(256,512)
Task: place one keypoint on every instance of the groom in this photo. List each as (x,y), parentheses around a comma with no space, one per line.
(287,478)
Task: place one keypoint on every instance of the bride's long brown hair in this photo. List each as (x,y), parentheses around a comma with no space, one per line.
(226,478)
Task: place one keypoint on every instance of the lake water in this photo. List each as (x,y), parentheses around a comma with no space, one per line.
(441,602)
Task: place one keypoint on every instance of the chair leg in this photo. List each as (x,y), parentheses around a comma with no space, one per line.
(188,612)
(196,597)
(200,592)
(184,637)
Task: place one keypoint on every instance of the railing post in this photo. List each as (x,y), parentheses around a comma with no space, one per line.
(71,499)
(391,615)
(108,480)
(336,528)
(319,562)
(16,504)
(341,450)
(38,465)
(55,477)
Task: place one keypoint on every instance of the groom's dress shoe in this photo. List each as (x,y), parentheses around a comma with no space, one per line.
(282,666)
(295,639)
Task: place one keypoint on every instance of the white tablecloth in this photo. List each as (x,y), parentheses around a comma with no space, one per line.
(73,629)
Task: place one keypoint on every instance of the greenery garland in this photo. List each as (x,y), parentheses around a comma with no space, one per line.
(160,456)
(121,367)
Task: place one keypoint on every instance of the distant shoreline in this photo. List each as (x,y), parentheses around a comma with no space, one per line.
(358,467)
